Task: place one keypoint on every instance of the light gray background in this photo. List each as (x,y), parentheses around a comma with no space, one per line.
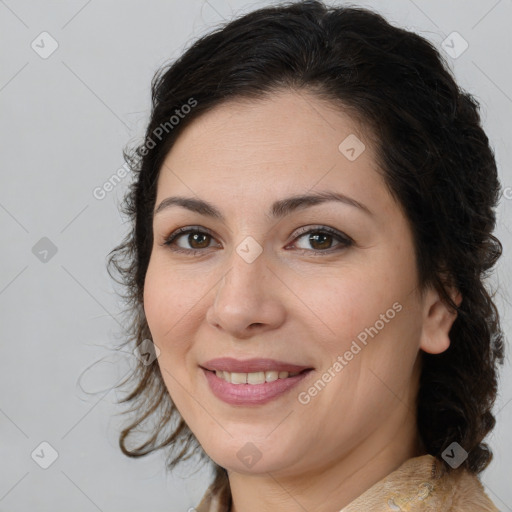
(64,122)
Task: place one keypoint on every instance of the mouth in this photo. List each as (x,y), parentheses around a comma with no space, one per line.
(248,366)
(252,382)
(254,377)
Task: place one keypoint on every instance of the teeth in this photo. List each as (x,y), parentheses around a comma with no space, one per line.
(253,378)
(271,376)
(239,378)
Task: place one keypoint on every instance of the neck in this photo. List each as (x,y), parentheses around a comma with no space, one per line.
(332,487)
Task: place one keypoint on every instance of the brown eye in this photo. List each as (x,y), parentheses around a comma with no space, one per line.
(324,240)
(321,241)
(201,239)
(195,241)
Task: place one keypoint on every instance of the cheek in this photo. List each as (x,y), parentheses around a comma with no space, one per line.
(158,302)
(168,302)
(168,311)
(371,305)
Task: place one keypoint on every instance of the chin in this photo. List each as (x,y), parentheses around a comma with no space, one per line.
(250,456)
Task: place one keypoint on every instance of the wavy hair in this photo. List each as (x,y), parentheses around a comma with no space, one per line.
(436,161)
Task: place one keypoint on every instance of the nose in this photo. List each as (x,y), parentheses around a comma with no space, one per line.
(247,300)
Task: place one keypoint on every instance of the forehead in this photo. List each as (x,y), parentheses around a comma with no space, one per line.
(287,142)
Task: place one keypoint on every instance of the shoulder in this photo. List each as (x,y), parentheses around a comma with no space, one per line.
(465,493)
(422,484)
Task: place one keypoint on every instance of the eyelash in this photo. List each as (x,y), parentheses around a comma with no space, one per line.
(345,241)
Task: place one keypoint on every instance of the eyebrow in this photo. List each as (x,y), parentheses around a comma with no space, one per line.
(279,209)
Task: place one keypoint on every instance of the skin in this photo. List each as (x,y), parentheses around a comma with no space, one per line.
(292,303)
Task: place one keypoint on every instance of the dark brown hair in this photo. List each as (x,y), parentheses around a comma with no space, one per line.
(436,160)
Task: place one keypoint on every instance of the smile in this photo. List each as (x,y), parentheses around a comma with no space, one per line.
(250,389)
(253,378)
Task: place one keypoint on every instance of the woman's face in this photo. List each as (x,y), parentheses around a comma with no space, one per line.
(329,287)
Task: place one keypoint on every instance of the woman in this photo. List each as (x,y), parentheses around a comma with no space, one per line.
(312,223)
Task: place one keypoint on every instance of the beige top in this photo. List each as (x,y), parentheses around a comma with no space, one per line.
(419,484)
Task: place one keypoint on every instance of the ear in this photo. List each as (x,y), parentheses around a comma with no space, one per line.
(438,319)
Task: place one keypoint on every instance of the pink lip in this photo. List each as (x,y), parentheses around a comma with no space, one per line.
(250,394)
(229,364)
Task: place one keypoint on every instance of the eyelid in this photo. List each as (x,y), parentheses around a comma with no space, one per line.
(343,239)
(324,229)
(184,231)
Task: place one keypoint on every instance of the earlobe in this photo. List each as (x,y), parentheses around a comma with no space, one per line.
(438,319)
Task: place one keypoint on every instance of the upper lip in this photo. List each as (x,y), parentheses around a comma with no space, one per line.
(230,364)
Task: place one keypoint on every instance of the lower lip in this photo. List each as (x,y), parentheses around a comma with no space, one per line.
(251,394)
